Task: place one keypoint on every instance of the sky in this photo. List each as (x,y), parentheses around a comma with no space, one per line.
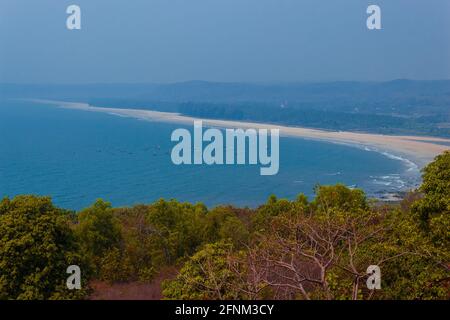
(162,41)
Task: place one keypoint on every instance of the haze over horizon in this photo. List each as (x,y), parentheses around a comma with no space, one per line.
(212,82)
(253,41)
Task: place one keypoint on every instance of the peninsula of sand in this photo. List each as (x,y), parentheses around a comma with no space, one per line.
(419,149)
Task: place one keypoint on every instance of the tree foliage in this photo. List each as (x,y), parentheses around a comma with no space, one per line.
(284,249)
(321,250)
(205,276)
(97,231)
(433,209)
(36,247)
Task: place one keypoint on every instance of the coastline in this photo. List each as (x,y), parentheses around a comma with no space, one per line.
(413,150)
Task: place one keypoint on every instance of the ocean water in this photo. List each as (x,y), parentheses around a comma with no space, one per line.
(77,157)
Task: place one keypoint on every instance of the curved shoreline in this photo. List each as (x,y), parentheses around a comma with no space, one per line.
(419,150)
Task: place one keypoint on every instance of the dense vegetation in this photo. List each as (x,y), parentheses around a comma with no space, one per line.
(299,249)
(297,114)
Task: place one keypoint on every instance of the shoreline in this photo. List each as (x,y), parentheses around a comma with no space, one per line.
(412,150)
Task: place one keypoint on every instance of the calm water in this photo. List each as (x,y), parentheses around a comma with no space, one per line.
(77,157)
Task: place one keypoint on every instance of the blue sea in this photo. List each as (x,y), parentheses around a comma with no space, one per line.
(77,157)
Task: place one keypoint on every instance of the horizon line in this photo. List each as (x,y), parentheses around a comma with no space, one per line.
(223,82)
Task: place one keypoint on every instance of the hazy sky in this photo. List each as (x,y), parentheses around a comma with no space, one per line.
(223,40)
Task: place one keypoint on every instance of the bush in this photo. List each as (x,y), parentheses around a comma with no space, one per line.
(36,247)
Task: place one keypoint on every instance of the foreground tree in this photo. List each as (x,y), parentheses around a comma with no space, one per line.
(433,209)
(36,247)
(325,255)
(99,235)
(320,250)
(206,275)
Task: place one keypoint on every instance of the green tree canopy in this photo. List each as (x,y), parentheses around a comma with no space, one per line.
(206,275)
(36,247)
(433,210)
(98,232)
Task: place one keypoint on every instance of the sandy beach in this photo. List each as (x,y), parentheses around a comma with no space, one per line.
(418,149)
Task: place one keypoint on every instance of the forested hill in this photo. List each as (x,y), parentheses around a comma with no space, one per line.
(394,107)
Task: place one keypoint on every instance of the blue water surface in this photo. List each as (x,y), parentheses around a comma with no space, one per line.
(77,156)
